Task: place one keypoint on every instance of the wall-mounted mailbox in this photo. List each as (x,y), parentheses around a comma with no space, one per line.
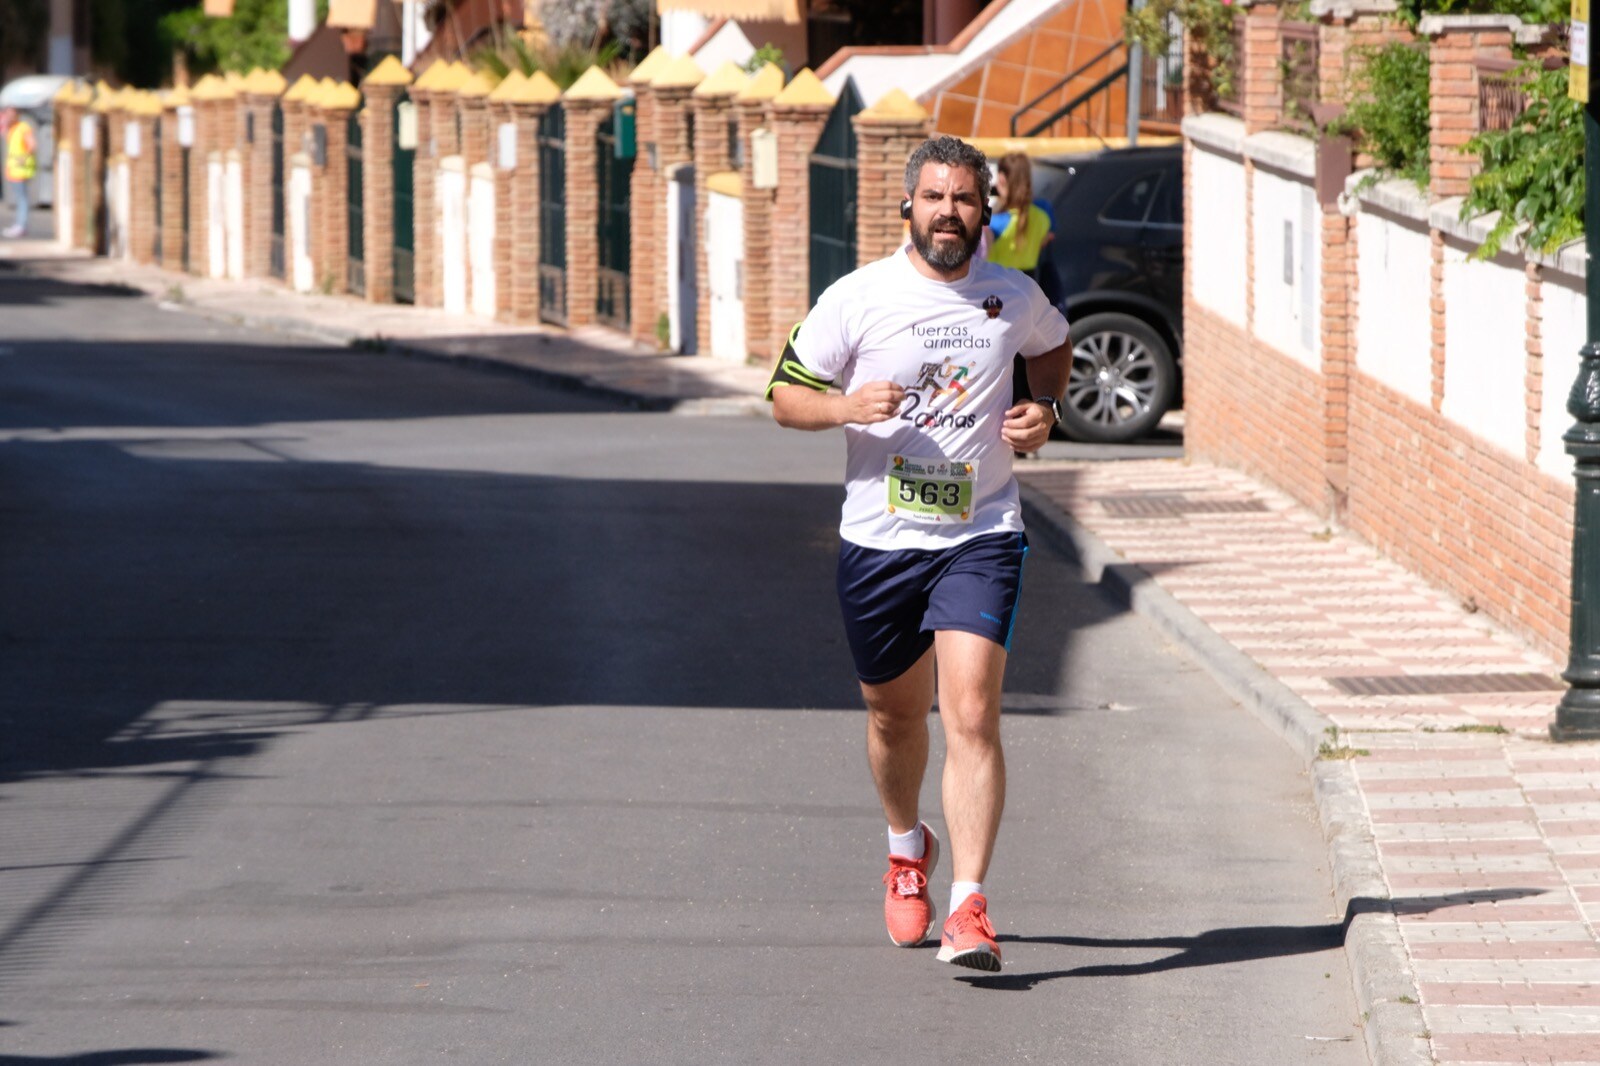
(506,135)
(405,120)
(132,140)
(627,142)
(185,126)
(763,159)
(87,126)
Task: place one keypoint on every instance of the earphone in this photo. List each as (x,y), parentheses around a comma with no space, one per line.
(905,211)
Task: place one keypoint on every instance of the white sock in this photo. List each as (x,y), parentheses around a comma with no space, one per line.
(908,845)
(960,890)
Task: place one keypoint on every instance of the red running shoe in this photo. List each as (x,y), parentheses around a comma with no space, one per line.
(969,938)
(907,910)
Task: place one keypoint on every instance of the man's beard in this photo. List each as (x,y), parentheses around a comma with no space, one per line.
(944,255)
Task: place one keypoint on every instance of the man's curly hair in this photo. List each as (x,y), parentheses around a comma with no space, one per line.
(952,152)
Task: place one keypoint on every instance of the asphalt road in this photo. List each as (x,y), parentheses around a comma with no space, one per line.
(355,709)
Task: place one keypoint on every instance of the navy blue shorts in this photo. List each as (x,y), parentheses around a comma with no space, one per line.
(894,601)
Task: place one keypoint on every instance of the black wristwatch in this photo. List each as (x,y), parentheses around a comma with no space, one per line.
(1050,402)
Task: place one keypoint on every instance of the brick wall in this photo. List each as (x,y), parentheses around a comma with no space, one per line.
(648,191)
(425,210)
(798,127)
(673,105)
(333,193)
(524,200)
(759,253)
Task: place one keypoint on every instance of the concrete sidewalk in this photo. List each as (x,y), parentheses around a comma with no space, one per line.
(1465,846)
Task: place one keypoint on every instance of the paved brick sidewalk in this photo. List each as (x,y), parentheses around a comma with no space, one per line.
(1488,835)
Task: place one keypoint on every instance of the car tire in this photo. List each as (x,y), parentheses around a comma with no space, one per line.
(1123,379)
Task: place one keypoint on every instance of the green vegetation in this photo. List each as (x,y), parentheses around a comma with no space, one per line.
(1209,22)
(767,53)
(1532,173)
(255,36)
(1387,114)
(562,63)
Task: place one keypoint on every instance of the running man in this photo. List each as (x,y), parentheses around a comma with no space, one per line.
(919,347)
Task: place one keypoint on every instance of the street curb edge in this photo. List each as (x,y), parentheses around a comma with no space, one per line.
(1380,970)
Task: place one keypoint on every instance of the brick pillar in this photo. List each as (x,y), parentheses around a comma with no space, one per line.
(886,134)
(172,172)
(1456,43)
(713,115)
(527,104)
(382,88)
(205,142)
(338,104)
(262,91)
(798,115)
(1260,66)
(142,178)
(1338,350)
(477,125)
(587,104)
(672,104)
(647,191)
(752,107)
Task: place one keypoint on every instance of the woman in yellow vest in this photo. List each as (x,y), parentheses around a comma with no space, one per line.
(1021,227)
(21,165)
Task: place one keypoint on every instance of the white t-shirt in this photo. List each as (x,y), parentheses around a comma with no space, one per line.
(950,346)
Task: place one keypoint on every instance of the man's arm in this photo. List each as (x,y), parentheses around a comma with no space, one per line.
(799,407)
(1027,425)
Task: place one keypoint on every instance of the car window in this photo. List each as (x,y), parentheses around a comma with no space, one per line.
(1168,207)
(1131,202)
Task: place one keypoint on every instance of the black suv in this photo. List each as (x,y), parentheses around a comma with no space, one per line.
(1115,269)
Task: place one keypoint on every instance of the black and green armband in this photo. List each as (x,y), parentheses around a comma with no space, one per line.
(791,371)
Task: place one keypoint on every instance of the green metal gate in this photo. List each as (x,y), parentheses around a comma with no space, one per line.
(275,253)
(833,194)
(405,219)
(553,216)
(356,271)
(614,177)
(158,150)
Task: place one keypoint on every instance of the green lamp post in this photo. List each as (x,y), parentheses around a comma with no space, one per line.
(1578,715)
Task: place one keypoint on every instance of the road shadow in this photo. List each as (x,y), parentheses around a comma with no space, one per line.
(120,1057)
(1220,947)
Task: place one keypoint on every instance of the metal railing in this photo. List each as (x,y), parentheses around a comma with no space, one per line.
(1160,98)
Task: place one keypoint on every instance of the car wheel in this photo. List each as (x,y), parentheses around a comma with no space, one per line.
(1123,379)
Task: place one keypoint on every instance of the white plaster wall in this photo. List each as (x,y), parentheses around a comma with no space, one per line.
(727,45)
(118,210)
(681,29)
(451,189)
(919,75)
(725,265)
(1288,267)
(301,275)
(1394,329)
(1486,348)
(1562,334)
(233,213)
(216,219)
(480,253)
(65,175)
(1218,219)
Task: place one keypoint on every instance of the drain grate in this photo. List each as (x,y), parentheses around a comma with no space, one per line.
(1172,505)
(1445,684)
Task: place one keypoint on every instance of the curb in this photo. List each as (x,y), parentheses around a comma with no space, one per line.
(377,344)
(1385,987)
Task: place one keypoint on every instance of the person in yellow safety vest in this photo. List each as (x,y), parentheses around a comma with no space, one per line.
(1021,229)
(21,163)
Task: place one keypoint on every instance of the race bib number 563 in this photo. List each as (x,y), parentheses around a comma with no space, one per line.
(930,490)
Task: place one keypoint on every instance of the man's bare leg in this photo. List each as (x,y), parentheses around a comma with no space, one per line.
(897,740)
(971,669)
